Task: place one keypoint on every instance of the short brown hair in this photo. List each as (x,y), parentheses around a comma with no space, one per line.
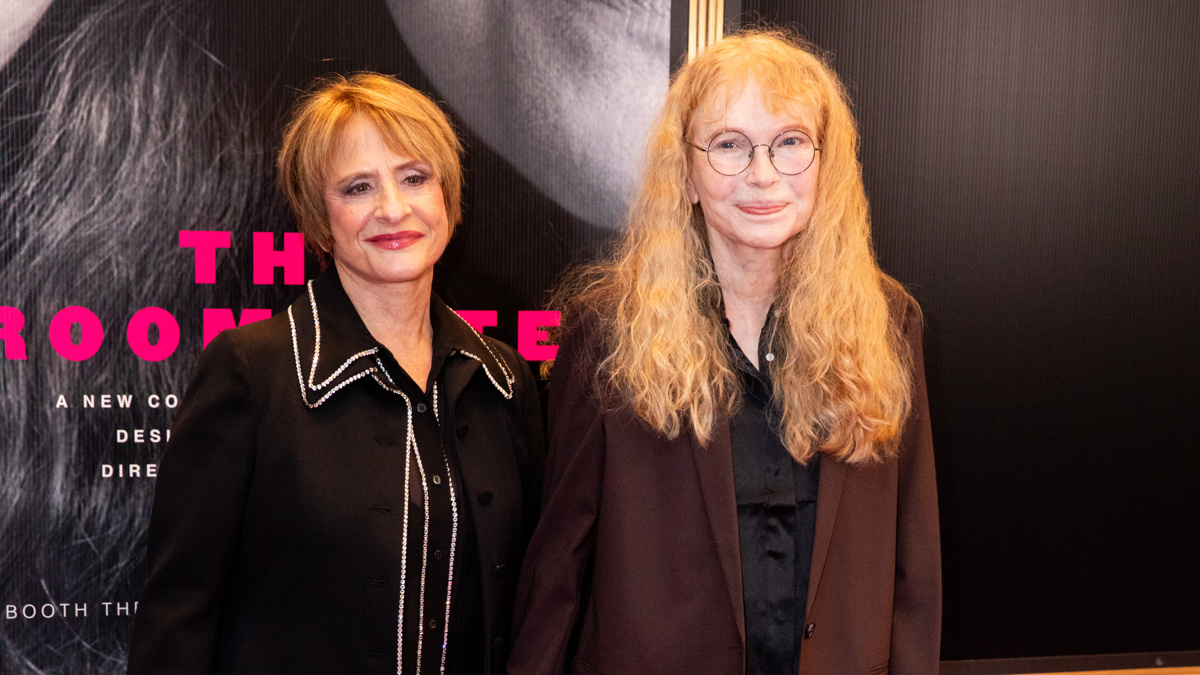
(408,120)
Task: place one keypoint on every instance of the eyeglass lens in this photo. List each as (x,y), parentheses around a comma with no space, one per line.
(731,152)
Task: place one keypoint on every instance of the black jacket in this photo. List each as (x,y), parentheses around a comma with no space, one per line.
(275,522)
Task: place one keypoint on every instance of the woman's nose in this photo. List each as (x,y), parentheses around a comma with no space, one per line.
(762,171)
(392,204)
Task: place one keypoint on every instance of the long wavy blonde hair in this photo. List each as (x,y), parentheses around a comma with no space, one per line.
(841,372)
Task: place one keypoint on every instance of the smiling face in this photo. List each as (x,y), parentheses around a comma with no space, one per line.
(752,214)
(386,211)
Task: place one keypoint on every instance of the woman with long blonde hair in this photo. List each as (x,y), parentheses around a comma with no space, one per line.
(740,475)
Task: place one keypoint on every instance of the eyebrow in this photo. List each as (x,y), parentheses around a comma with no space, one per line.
(370,173)
(797,126)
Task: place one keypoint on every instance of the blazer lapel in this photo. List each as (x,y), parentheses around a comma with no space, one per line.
(829,495)
(714,464)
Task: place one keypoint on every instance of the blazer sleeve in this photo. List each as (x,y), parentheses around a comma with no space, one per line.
(534,465)
(195,525)
(552,592)
(917,606)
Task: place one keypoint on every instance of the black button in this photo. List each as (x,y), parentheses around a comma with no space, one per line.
(498,643)
(437,555)
(462,431)
(808,630)
(421,407)
(485,497)
(500,571)
(432,624)
(437,480)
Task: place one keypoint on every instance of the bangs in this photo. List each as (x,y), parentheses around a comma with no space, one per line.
(403,135)
(791,80)
(407,137)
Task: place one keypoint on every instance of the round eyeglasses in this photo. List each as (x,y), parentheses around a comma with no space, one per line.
(731,152)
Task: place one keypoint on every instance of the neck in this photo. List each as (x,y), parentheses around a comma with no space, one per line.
(748,289)
(397,315)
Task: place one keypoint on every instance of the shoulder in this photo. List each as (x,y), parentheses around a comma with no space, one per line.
(587,331)
(583,344)
(250,348)
(266,334)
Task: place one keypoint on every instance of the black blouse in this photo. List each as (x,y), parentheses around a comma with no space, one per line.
(777,516)
(433,428)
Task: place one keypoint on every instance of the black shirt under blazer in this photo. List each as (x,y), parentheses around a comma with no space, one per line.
(274,524)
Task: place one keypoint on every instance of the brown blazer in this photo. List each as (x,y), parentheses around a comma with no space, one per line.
(635,566)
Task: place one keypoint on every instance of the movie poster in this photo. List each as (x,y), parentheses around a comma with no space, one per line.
(140,217)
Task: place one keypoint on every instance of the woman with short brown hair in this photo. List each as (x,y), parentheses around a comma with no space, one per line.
(349,485)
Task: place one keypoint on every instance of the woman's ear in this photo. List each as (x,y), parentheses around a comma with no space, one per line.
(690,190)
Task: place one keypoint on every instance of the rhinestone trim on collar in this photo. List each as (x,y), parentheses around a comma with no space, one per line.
(505,371)
(410,452)
(509,379)
(312,373)
(300,372)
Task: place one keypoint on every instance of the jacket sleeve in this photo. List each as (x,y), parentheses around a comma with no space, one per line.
(552,593)
(917,606)
(535,464)
(195,524)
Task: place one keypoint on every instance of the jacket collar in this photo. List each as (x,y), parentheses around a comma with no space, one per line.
(332,346)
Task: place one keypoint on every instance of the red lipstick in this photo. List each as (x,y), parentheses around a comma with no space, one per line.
(394,241)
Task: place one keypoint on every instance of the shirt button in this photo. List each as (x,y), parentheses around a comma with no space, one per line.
(432,624)
(437,480)
(770,357)
(808,630)
(498,643)
(500,571)
(421,407)
(437,555)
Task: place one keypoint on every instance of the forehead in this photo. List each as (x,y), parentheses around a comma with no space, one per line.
(359,135)
(747,105)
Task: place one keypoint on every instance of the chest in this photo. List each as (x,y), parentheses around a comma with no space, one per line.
(331,480)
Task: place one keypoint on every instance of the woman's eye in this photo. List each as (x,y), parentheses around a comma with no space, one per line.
(416,179)
(357,188)
(794,141)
